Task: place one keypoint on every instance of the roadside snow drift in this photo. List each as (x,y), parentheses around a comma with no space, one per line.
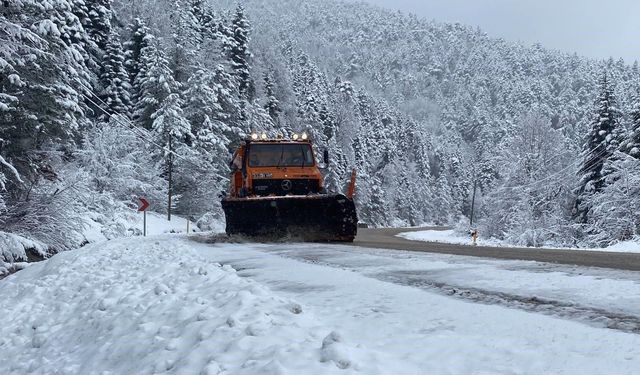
(154,306)
(452,237)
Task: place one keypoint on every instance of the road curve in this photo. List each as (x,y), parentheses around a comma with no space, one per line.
(385,238)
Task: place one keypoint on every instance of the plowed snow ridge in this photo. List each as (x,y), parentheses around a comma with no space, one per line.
(146,307)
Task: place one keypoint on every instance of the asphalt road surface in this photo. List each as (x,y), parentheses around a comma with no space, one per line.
(386,239)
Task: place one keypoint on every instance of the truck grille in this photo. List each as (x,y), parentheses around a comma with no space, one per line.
(285,187)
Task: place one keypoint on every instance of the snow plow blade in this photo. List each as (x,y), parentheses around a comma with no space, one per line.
(312,218)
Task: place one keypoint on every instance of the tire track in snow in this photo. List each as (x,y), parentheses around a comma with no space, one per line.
(593,316)
(590,315)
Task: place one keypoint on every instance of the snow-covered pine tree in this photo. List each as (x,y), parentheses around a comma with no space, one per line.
(42,75)
(339,122)
(405,198)
(205,110)
(186,40)
(308,111)
(613,214)
(336,170)
(372,134)
(328,122)
(272,105)
(226,88)
(207,26)
(138,39)
(114,80)
(256,117)
(201,100)
(212,142)
(632,143)
(153,84)
(98,24)
(238,50)
(41,66)
(81,11)
(602,141)
(21,47)
(443,200)
(375,210)
(172,129)
(213,93)
(199,188)
(95,17)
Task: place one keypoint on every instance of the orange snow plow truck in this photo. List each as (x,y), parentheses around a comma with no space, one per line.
(277,191)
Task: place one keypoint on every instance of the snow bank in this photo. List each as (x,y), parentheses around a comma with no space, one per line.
(158,224)
(632,246)
(442,236)
(149,306)
(452,237)
(97,228)
(131,224)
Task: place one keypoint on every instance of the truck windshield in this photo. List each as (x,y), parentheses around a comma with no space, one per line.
(280,155)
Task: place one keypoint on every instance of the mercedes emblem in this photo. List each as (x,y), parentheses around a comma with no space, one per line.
(286,185)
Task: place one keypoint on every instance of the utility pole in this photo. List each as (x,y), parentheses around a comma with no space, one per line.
(473,202)
(170,172)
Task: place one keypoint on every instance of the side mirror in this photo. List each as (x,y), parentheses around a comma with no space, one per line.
(222,194)
(326,157)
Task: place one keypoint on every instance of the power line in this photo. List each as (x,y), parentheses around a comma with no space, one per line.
(596,158)
(142,133)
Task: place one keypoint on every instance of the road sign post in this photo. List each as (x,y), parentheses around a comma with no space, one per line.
(144,204)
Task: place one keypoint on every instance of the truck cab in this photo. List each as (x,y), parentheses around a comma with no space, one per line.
(262,167)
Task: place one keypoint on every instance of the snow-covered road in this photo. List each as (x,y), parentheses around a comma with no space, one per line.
(172,304)
(596,296)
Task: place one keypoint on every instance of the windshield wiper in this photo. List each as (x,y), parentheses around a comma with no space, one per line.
(281,156)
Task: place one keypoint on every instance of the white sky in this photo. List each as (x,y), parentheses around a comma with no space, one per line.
(593,28)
